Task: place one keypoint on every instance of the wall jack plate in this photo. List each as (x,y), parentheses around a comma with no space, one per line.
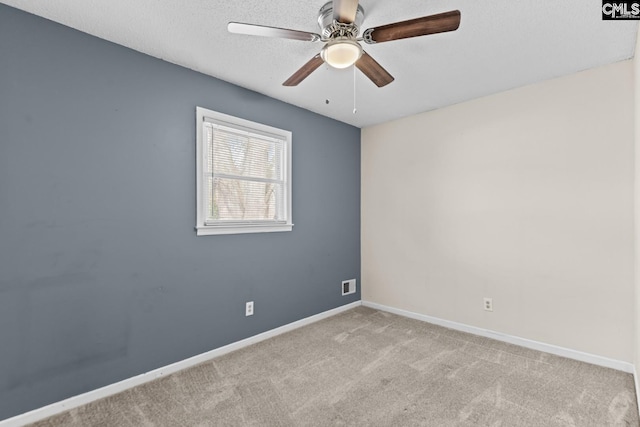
(488,304)
(248,311)
(348,287)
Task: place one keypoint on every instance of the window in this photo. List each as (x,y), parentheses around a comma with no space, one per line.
(244,175)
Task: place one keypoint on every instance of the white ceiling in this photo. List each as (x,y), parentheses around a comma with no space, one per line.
(501,44)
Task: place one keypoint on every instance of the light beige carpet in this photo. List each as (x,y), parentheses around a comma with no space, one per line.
(370,368)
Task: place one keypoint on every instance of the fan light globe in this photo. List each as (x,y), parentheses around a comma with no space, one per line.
(341,53)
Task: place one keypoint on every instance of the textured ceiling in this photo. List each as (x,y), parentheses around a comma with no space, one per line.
(501,44)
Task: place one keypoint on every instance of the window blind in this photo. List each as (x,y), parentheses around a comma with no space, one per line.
(244,174)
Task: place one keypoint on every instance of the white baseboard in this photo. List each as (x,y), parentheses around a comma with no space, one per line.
(100,393)
(635,382)
(523,342)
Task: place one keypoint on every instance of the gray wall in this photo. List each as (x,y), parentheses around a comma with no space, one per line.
(102,276)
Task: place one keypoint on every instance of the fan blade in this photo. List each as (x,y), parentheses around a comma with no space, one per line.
(373,70)
(344,11)
(304,72)
(440,23)
(261,30)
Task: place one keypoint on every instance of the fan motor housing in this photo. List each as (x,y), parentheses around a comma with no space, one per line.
(332,29)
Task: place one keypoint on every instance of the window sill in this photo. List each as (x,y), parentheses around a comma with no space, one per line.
(209,230)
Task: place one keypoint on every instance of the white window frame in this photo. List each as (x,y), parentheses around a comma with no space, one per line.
(204,229)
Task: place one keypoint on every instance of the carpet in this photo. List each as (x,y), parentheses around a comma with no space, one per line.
(366,367)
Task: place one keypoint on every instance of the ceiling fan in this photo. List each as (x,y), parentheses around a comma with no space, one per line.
(339,22)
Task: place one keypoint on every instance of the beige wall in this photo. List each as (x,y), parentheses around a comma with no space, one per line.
(636,76)
(525,197)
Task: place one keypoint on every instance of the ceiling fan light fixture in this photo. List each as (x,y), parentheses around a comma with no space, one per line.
(341,52)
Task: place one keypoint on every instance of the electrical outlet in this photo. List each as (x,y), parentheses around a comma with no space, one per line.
(348,287)
(248,311)
(488,304)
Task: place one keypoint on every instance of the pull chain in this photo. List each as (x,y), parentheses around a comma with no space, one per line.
(355,110)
